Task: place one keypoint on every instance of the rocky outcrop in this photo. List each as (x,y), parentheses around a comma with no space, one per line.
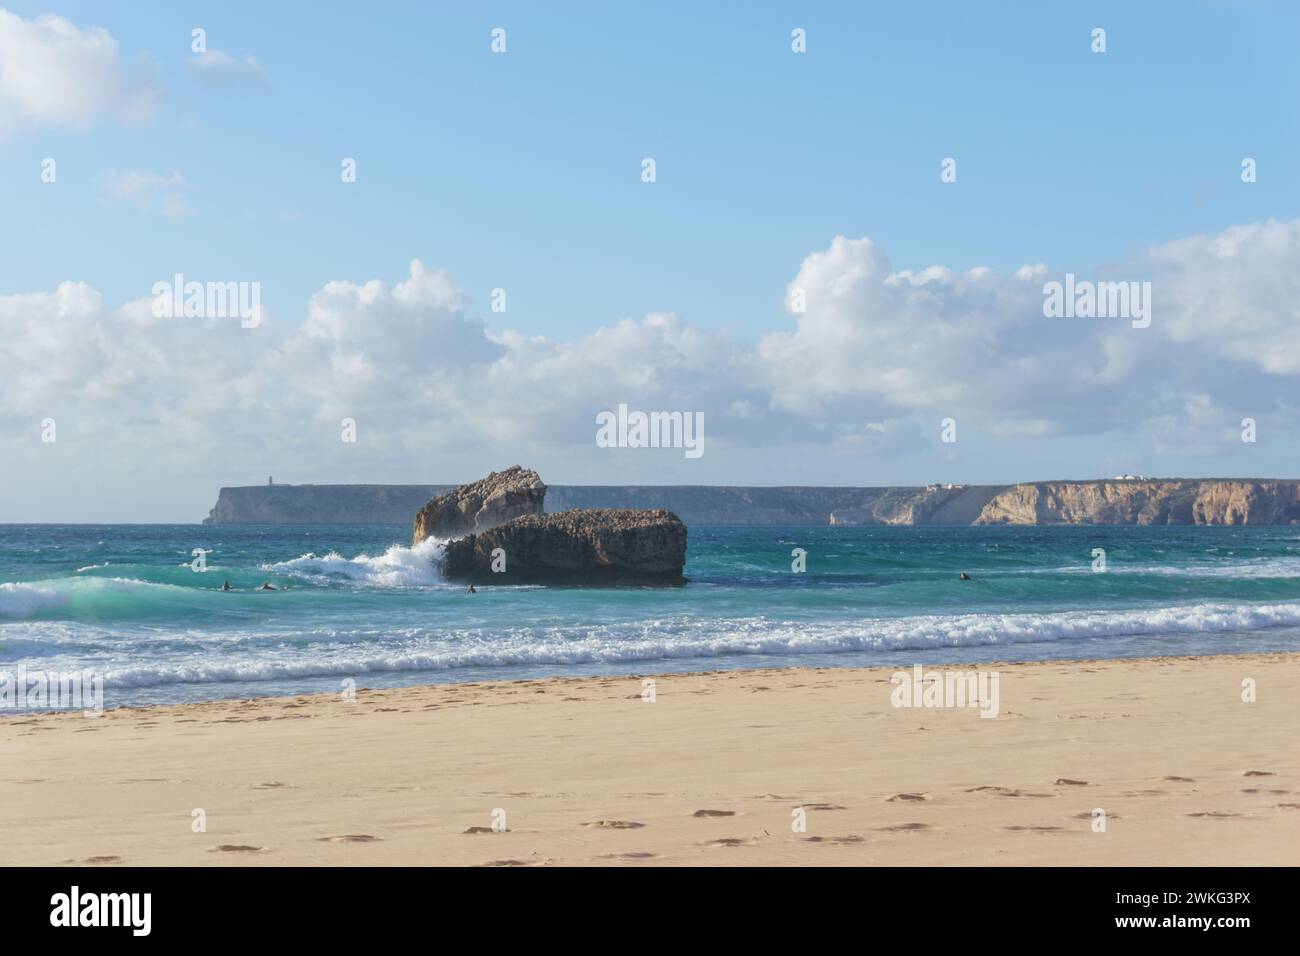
(601,546)
(500,497)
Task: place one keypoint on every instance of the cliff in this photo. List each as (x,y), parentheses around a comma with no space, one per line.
(1209,501)
(1156,501)
(394,504)
(321,504)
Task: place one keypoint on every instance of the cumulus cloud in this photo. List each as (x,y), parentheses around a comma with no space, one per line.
(1236,294)
(869,340)
(55,74)
(874,357)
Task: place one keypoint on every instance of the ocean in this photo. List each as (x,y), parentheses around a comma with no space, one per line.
(357,603)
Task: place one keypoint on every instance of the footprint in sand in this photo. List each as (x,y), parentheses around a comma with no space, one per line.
(1288,806)
(1067,782)
(905,827)
(506,863)
(349,838)
(1008,792)
(273,785)
(1034,829)
(237,848)
(485,830)
(1085,815)
(714,813)
(1259,773)
(615,824)
(1180,779)
(907,797)
(850,838)
(728,841)
(1259,790)
(823,806)
(1217,814)
(102,859)
(627,856)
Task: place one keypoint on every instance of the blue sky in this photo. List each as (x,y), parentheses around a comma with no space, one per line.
(522,171)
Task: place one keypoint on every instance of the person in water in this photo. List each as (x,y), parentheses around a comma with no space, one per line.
(226,587)
(471,590)
(965,576)
(267,586)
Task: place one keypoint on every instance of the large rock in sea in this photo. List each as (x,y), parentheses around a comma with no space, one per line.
(491,501)
(599,546)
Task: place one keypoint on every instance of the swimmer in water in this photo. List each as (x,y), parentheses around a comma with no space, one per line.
(471,590)
(965,576)
(226,587)
(267,586)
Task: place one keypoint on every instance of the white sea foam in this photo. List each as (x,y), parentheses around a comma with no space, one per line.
(399,566)
(1257,568)
(687,637)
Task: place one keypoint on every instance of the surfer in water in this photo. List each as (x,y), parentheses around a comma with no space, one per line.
(226,587)
(472,590)
(268,586)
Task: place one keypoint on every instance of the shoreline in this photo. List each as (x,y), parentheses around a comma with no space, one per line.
(713,770)
(947,664)
(326,696)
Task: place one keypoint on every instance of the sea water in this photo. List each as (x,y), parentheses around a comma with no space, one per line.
(357,603)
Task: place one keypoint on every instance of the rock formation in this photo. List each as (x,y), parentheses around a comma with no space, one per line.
(491,501)
(601,546)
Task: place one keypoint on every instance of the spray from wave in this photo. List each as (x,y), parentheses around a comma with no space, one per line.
(398,567)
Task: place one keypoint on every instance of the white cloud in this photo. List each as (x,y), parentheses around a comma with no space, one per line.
(873,342)
(217,68)
(1236,294)
(54,74)
(864,374)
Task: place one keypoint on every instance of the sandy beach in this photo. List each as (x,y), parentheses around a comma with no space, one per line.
(717,769)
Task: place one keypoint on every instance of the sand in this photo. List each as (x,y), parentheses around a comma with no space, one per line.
(712,772)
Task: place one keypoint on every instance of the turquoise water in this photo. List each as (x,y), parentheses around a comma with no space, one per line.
(357,602)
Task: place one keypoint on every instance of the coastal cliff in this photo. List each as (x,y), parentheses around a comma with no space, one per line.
(1227,501)
(1146,502)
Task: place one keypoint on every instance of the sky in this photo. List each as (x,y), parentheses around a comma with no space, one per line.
(804,271)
